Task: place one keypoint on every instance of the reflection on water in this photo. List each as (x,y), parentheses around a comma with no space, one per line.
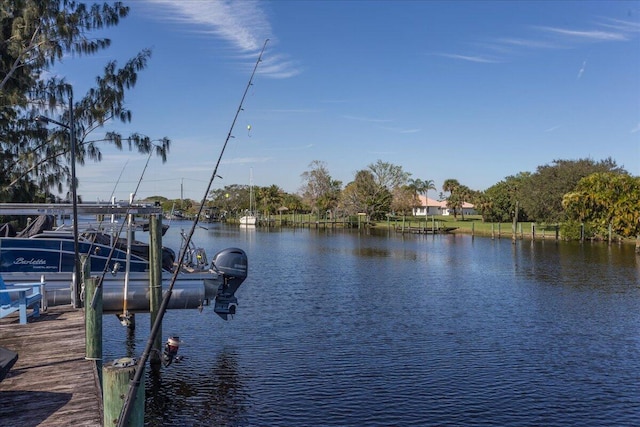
(197,394)
(346,328)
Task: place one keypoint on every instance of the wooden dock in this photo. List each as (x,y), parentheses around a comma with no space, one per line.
(51,384)
(424,230)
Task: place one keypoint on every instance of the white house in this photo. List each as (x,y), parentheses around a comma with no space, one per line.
(433,207)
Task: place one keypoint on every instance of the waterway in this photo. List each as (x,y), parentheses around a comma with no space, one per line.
(352,328)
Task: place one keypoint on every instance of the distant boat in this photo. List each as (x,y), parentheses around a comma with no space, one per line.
(214,215)
(175,214)
(249,219)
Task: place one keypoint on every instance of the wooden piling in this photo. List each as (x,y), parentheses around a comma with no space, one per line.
(93,320)
(92,316)
(155,282)
(116,379)
(514,227)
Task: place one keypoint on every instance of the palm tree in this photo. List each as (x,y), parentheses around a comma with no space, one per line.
(421,187)
(453,201)
(464,194)
(270,198)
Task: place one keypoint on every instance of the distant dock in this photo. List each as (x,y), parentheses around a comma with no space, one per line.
(425,230)
(51,384)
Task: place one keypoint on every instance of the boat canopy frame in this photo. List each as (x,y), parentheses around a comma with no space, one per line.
(64,209)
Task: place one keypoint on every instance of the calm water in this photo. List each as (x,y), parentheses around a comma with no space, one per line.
(340,328)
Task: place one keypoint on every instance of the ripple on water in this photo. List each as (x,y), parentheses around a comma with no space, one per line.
(349,330)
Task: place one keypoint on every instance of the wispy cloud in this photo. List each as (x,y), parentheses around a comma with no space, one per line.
(581,71)
(469,58)
(636,129)
(278,66)
(593,35)
(292,110)
(551,129)
(526,43)
(367,119)
(400,130)
(621,25)
(548,37)
(243,24)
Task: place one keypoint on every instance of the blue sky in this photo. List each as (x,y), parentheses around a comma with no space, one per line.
(475,91)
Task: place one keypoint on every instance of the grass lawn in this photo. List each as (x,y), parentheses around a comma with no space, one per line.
(471,224)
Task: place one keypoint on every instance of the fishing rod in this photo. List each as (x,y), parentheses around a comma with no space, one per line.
(134,384)
(118,181)
(90,250)
(110,198)
(94,299)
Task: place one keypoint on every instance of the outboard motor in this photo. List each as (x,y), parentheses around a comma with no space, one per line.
(232,264)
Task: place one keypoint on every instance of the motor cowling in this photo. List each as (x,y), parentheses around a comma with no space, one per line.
(232,264)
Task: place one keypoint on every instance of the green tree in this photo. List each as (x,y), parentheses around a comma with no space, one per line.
(36,34)
(454,202)
(320,191)
(232,198)
(404,199)
(365,195)
(541,194)
(269,198)
(388,175)
(292,202)
(606,199)
(498,202)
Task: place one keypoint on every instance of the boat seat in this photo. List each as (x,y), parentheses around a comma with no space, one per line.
(19,297)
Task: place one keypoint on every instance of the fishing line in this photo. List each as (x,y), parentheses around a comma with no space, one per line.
(135,382)
(94,301)
(118,181)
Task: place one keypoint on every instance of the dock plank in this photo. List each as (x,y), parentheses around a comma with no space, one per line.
(51,384)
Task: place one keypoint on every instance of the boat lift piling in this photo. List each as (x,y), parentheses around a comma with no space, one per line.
(155,283)
(92,313)
(117,374)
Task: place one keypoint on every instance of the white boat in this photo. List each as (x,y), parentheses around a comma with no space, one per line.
(42,250)
(249,219)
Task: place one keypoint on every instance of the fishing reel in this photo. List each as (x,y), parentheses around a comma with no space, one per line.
(196,258)
(115,269)
(170,352)
(232,265)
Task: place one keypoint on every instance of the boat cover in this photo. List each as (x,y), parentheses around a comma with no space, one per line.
(42,223)
(7,230)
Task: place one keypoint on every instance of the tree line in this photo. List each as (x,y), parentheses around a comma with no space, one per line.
(595,196)
(35,160)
